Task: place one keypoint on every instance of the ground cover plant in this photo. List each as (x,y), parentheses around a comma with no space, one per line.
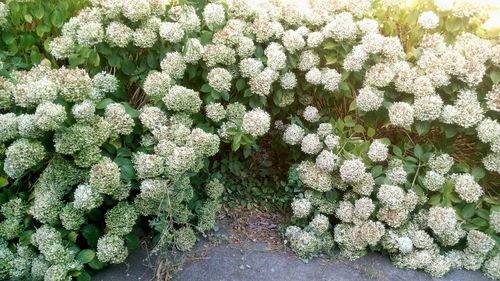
(376,122)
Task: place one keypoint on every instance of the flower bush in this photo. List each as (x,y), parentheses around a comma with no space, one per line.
(26,28)
(386,114)
(92,166)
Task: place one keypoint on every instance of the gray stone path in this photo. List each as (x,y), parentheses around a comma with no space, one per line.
(140,265)
(253,262)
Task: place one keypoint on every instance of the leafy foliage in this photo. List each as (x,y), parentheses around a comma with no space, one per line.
(30,26)
(385,133)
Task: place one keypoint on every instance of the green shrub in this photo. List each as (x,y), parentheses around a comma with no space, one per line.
(27,28)
(386,115)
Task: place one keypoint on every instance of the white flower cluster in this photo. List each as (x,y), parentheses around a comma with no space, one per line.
(301,208)
(441,163)
(467,188)
(254,45)
(369,99)
(311,144)
(443,222)
(396,203)
(4,13)
(437,63)
(352,170)
(219,79)
(293,134)
(59,133)
(428,20)
(179,150)
(412,238)
(215,112)
(433,181)
(396,172)
(256,122)
(378,151)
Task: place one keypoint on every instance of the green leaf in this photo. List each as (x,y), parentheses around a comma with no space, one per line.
(94,58)
(35,57)
(359,129)
(109,148)
(385,141)
(259,52)
(240,84)
(345,89)
(151,60)
(235,145)
(377,171)
(205,88)
(469,226)
(483,214)
(96,264)
(329,45)
(205,37)
(75,60)
(435,199)
(128,67)
(127,171)
(479,222)
(277,97)
(422,127)
(349,122)
(332,196)
(449,132)
(133,241)
(42,29)
(91,234)
(462,167)
(85,256)
(84,276)
(340,125)
(56,19)
(468,211)
(411,160)
(330,59)
(72,236)
(103,103)
(454,198)
(418,151)
(225,95)
(134,113)
(397,151)
(38,11)
(123,152)
(28,18)
(114,60)
(371,133)
(478,173)
(4,181)
(353,106)
(25,237)
(247,93)
(232,131)
(495,76)
(453,24)
(247,151)
(8,38)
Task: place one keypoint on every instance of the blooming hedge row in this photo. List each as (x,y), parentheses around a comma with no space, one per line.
(386,113)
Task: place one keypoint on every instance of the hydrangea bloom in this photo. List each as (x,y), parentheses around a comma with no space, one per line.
(428,20)
(256,122)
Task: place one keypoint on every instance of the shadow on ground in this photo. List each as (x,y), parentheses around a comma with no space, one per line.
(229,255)
(140,265)
(253,261)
